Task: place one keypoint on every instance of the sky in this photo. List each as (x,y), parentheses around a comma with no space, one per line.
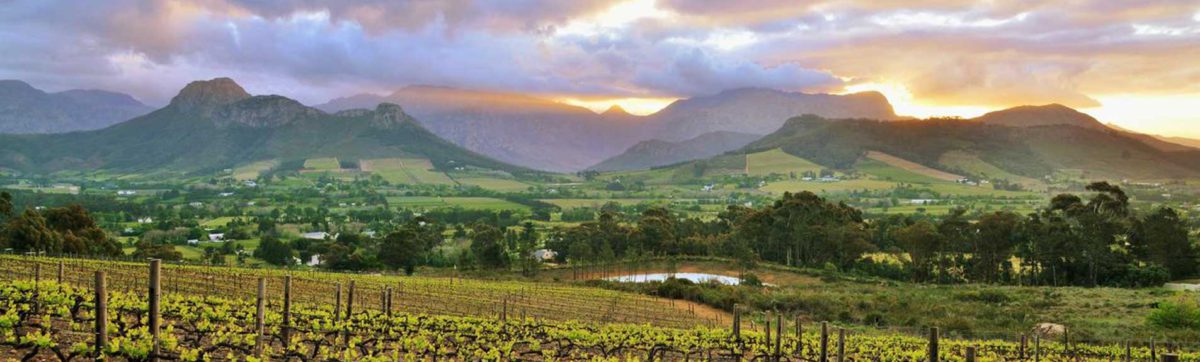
(1132,63)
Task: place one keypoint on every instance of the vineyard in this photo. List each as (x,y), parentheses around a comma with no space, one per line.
(126,311)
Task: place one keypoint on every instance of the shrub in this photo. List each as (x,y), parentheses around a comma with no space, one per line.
(1184,314)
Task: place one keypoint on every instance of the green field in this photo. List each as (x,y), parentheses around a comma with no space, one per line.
(778,162)
(974,165)
(434,202)
(597,203)
(497,184)
(217,222)
(253,170)
(412,171)
(322,164)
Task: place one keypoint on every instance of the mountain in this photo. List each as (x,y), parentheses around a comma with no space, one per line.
(652,153)
(518,129)
(760,111)
(212,125)
(1031,146)
(25,109)
(1045,115)
(548,135)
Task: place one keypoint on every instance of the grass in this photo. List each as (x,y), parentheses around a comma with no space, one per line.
(412,171)
(434,202)
(779,187)
(253,170)
(217,222)
(973,164)
(970,310)
(322,164)
(497,184)
(778,162)
(912,167)
(597,203)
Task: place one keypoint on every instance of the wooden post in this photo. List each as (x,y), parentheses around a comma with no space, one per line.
(1170,357)
(287,310)
(389,302)
(1153,350)
(1128,352)
(504,311)
(799,337)
(970,353)
(1023,342)
(60,274)
(337,306)
(767,331)
(737,324)
(933,344)
(37,281)
(841,345)
(350,301)
(260,314)
(824,341)
(778,335)
(155,274)
(1037,348)
(101,314)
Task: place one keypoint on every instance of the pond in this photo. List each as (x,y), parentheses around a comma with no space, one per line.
(658,277)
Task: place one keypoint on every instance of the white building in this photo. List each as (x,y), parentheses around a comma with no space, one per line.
(216,237)
(317,235)
(543,255)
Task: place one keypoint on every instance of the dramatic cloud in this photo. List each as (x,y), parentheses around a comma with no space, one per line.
(938,53)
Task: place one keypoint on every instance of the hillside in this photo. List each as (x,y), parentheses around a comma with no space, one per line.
(25,109)
(1033,151)
(652,153)
(215,124)
(1045,115)
(544,134)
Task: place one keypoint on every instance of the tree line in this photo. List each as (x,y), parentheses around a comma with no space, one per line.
(1071,241)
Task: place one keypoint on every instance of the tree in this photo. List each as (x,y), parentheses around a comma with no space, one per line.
(274,251)
(487,243)
(29,232)
(149,250)
(1162,238)
(400,250)
(992,246)
(6,205)
(923,243)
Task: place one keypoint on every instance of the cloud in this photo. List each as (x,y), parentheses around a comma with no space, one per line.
(943,51)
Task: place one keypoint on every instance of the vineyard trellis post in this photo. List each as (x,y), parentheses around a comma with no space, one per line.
(933,344)
(1170,357)
(350,302)
(1153,350)
(1128,352)
(155,303)
(799,337)
(841,344)
(1037,348)
(778,335)
(389,302)
(287,309)
(337,305)
(259,314)
(101,314)
(37,281)
(824,341)
(60,274)
(970,353)
(737,324)
(1022,350)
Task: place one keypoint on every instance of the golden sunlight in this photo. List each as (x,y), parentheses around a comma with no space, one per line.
(638,106)
(904,104)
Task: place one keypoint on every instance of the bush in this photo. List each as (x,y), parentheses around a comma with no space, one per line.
(1184,314)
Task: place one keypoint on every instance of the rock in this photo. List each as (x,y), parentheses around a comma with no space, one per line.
(1049,329)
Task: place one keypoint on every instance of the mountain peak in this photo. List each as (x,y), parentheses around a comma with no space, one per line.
(616,111)
(209,93)
(1043,115)
(264,112)
(389,114)
(13,88)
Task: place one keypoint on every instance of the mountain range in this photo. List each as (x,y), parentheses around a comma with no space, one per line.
(25,109)
(548,135)
(213,125)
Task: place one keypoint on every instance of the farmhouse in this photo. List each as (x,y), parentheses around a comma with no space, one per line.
(318,235)
(543,255)
(216,237)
